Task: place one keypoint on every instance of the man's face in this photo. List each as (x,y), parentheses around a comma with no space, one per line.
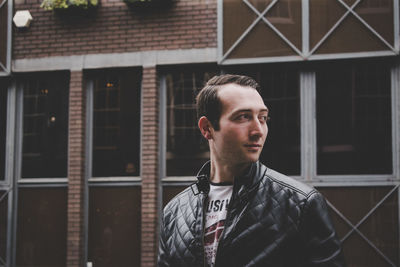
(243,125)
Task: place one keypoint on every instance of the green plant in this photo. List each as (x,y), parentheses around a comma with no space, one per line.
(64,4)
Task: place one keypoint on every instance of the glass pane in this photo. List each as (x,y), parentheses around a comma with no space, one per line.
(187,150)
(114,226)
(3,225)
(116,123)
(45,126)
(354,118)
(3,128)
(323,16)
(379,15)
(351,35)
(233,27)
(42,227)
(262,40)
(285,15)
(381,227)
(281,93)
(170,191)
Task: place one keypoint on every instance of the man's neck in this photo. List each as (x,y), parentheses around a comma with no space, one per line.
(221,173)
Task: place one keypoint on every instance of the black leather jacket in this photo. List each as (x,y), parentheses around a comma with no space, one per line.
(273,221)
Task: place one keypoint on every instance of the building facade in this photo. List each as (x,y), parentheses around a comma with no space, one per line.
(98,125)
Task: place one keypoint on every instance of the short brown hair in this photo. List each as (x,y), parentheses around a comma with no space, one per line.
(208,102)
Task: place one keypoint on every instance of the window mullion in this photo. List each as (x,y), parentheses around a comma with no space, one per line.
(88,163)
(89,127)
(19,100)
(10,134)
(308,125)
(395,86)
(163,127)
(305,28)
(396,25)
(9,169)
(16,129)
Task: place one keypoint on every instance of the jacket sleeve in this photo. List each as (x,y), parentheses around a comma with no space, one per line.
(322,246)
(162,250)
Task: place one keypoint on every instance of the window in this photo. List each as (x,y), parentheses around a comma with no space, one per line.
(352,29)
(114,204)
(377,235)
(281,93)
(114,226)
(33,146)
(187,150)
(116,123)
(290,31)
(254,35)
(42,227)
(45,126)
(354,119)
(330,122)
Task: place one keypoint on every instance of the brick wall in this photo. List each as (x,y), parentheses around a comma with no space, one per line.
(115,28)
(149,166)
(76,171)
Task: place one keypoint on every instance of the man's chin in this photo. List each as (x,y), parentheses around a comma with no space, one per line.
(253,158)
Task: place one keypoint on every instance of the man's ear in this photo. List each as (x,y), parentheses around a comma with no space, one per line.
(205,127)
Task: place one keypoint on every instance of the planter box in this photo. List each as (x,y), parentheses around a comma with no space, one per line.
(76,11)
(71,8)
(147,5)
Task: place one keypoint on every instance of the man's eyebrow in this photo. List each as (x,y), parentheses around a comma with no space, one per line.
(249,110)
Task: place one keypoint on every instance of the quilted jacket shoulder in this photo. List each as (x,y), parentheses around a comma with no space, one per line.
(289,182)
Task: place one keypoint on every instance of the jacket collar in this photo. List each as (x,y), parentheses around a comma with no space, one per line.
(250,178)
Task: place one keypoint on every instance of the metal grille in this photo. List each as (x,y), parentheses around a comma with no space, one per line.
(354,228)
(377,42)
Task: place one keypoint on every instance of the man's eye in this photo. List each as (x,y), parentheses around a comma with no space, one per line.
(243,117)
(264,118)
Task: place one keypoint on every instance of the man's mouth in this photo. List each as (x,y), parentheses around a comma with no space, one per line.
(253,146)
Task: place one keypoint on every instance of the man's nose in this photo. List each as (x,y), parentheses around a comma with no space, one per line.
(257,128)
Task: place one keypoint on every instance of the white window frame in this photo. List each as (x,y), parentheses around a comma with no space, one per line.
(6,70)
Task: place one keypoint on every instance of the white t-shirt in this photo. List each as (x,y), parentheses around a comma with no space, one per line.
(215,210)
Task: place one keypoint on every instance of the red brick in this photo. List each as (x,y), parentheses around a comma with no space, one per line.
(115,24)
(75,226)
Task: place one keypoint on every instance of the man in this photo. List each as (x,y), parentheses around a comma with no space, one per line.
(241,213)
